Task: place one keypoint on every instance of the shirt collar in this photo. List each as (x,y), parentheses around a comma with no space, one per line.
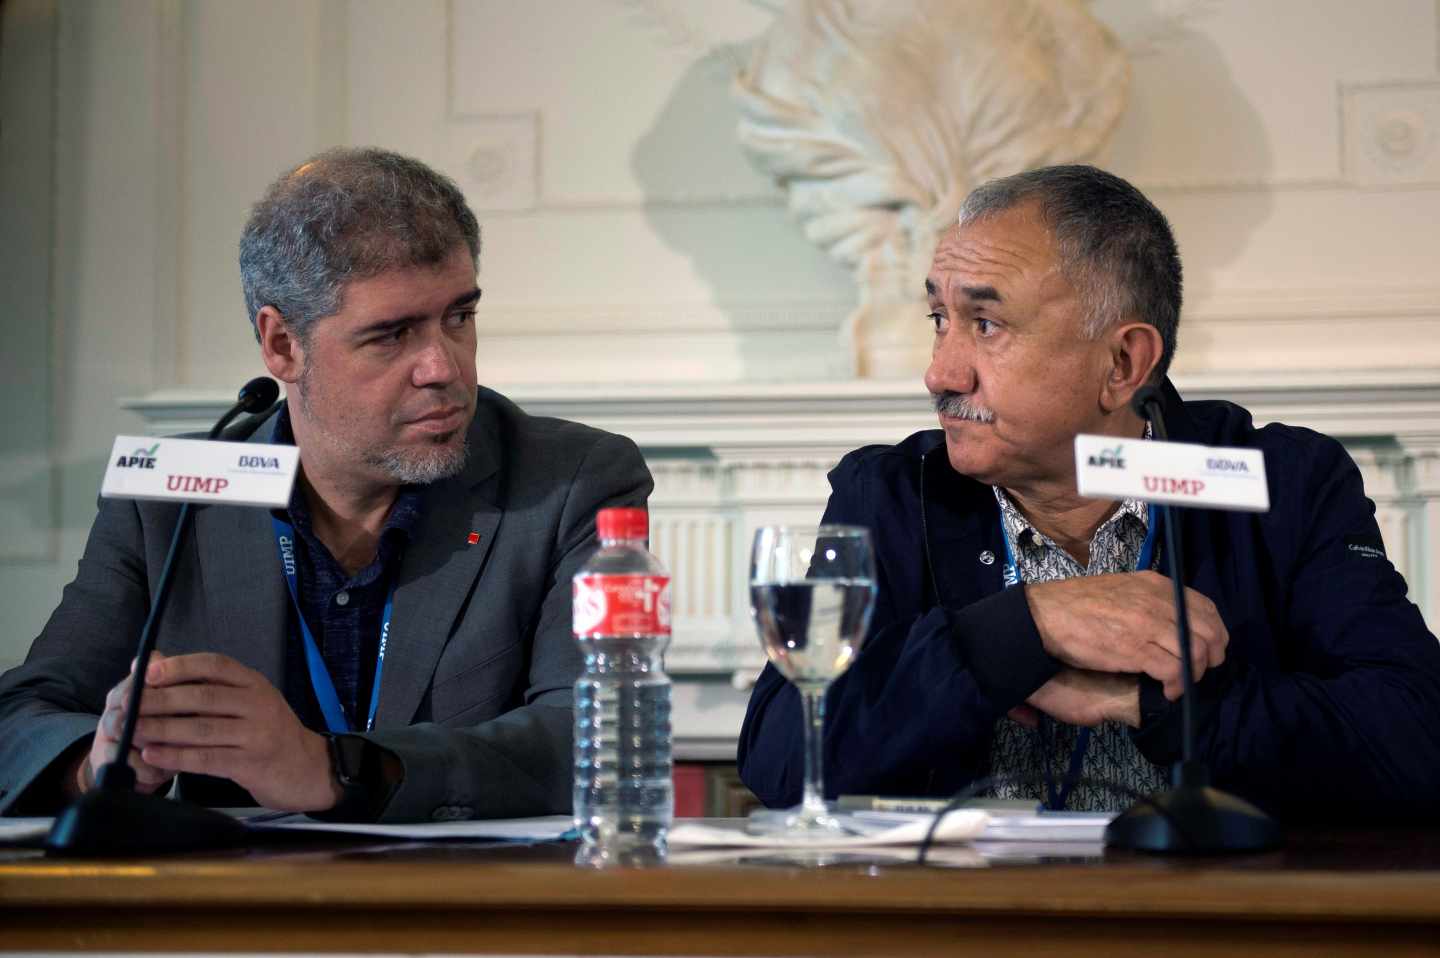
(1019,530)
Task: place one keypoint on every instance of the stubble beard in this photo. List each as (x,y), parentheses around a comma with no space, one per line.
(424,465)
(440,459)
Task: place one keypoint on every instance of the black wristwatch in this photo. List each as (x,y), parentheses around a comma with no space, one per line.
(358,769)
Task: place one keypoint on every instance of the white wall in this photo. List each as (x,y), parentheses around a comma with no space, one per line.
(1294,143)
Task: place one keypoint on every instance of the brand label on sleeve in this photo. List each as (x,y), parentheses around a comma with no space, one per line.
(620,605)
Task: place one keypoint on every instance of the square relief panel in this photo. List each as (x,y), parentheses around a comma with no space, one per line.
(495,160)
(1392,133)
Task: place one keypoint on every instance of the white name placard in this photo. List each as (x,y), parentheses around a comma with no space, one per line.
(1182,474)
(198,470)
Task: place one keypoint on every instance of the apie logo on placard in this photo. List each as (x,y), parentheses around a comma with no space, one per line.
(139,459)
(1109,458)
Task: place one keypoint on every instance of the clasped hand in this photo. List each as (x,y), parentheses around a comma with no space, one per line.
(206,713)
(1107,630)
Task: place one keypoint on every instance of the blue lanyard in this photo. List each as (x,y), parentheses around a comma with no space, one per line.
(335,718)
(1056,799)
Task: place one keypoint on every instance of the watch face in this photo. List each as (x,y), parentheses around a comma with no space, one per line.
(347,754)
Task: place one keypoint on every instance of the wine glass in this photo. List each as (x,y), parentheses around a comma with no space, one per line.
(811,593)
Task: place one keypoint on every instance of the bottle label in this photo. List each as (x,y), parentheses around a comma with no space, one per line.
(621,605)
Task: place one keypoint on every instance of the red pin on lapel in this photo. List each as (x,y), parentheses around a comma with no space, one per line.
(473,538)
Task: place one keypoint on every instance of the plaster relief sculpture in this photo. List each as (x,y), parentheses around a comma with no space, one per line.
(879,116)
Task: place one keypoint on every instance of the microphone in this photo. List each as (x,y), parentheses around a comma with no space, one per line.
(256,396)
(1146,398)
(259,397)
(112,819)
(1190,817)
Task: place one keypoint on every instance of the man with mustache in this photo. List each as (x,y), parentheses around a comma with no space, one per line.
(396,644)
(1026,633)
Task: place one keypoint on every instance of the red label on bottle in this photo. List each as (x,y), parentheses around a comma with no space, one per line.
(620,605)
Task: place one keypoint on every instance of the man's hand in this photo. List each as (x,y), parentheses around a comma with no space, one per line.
(1126,623)
(208,714)
(1077,697)
(148,778)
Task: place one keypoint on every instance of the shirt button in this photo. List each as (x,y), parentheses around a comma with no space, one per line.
(342,598)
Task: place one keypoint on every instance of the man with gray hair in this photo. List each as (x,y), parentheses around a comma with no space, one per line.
(1023,633)
(395,644)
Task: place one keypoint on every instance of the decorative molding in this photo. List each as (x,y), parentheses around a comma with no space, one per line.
(747,418)
(761,341)
(678,32)
(496,159)
(729,457)
(1390,133)
(650,318)
(1419,305)
(1311,304)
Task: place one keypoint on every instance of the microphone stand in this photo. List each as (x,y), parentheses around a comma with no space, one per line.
(1191,817)
(112,819)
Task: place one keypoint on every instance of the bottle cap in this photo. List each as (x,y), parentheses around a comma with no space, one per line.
(622,524)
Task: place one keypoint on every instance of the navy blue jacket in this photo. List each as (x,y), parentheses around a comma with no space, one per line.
(1329,697)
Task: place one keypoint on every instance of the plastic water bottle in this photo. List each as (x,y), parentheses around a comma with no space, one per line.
(624,797)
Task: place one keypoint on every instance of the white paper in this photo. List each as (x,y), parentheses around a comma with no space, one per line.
(1015,826)
(950,856)
(24,829)
(548,828)
(959,826)
(1048,827)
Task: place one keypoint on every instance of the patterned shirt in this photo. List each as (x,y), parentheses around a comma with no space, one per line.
(343,611)
(1112,756)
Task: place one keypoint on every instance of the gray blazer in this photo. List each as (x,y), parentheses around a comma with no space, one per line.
(475,696)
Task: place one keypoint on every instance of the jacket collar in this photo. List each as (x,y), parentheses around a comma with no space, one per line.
(1179,424)
(437,576)
(962,521)
(241,573)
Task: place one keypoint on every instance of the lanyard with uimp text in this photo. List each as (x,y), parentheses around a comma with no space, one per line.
(335,718)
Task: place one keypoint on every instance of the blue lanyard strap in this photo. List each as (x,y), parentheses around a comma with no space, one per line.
(335,718)
(1056,799)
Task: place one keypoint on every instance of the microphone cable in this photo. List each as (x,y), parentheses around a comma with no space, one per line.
(990,781)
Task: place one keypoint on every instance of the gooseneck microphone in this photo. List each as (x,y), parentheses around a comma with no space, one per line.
(1191,817)
(111,819)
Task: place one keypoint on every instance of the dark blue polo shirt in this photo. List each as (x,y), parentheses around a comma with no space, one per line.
(344,612)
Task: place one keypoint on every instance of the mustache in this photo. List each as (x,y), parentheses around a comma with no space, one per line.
(446,399)
(955,405)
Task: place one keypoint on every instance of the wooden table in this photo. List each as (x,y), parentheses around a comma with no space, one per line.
(1355,892)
